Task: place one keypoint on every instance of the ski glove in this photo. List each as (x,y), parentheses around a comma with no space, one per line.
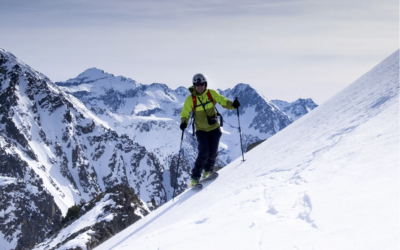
(183,126)
(236,104)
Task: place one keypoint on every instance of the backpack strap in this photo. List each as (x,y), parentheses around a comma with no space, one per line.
(193,128)
(212,100)
(210,97)
(195,100)
(221,119)
(194,110)
(194,103)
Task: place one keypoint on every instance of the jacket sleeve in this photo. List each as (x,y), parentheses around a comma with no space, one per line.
(225,103)
(187,108)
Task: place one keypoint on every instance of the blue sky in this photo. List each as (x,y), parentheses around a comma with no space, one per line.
(285,49)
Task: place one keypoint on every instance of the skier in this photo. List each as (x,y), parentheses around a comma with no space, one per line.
(208,132)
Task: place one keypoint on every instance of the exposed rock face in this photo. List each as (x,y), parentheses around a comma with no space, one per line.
(28,213)
(127,210)
(56,153)
(253,145)
(104,216)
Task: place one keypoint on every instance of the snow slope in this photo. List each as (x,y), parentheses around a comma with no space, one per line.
(328,181)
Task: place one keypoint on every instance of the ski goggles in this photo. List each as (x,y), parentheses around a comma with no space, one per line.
(199,84)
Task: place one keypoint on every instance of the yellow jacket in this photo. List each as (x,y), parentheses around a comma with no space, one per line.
(200,115)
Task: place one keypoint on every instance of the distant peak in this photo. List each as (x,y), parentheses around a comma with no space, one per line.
(242,85)
(181,91)
(88,76)
(94,69)
(244,88)
(181,88)
(156,84)
(305,101)
(94,73)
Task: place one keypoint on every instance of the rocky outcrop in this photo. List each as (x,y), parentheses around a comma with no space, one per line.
(253,145)
(55,153)
(105,215)
(28,213)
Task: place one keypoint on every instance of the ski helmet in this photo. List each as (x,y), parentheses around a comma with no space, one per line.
(199,78)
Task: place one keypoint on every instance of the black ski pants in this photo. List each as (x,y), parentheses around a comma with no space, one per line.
(208,151)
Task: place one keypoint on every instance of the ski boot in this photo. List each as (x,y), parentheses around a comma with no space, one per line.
(206,174)
(193,182)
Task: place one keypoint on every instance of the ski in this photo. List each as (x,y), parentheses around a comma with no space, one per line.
(199,185)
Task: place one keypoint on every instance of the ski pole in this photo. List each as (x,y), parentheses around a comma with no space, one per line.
(177,166)
(240,131)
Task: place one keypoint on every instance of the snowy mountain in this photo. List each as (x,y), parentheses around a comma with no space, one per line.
(296,109)
(59,149)
(328,181)
(123,103)
(56,153)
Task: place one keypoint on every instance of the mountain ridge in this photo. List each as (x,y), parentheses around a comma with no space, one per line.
(66,153)
(159,101)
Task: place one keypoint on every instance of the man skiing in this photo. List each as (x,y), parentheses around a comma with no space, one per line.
(208,132)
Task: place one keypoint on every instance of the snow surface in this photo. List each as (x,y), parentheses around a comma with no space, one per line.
(328,181)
